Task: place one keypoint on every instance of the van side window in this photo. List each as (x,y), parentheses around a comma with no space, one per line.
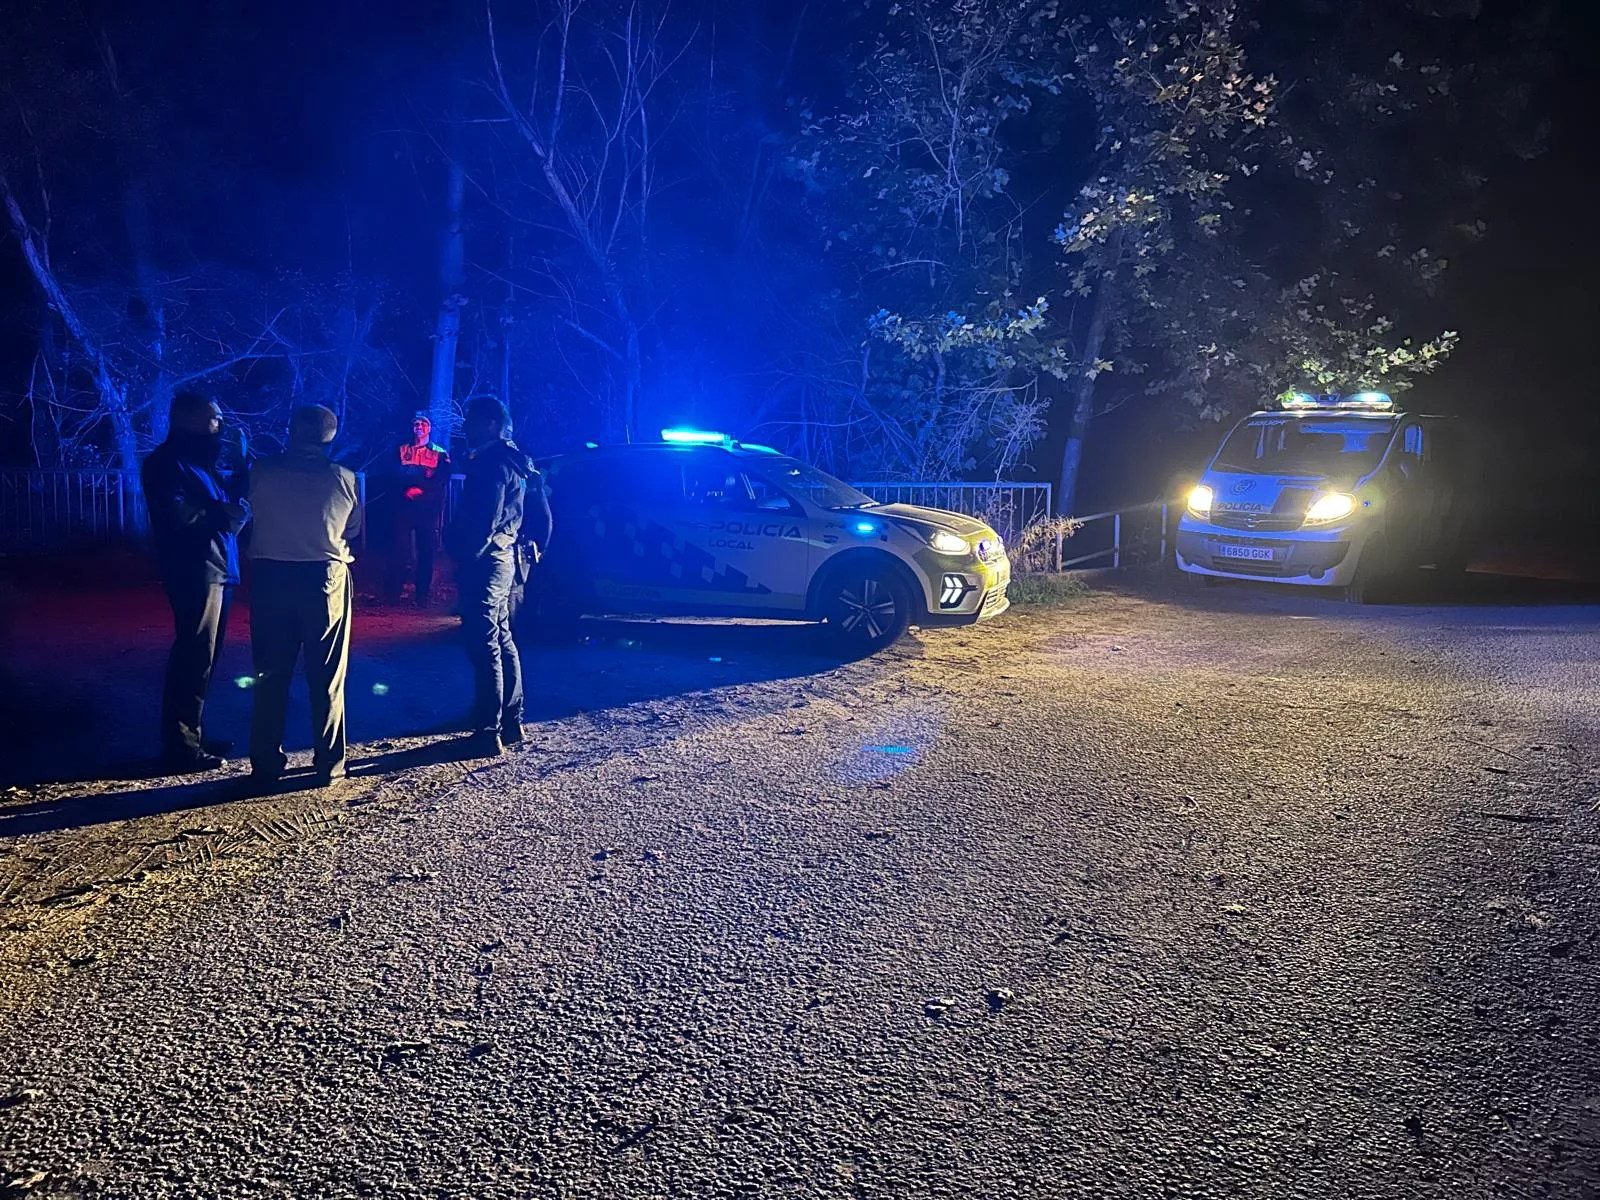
(1413,445)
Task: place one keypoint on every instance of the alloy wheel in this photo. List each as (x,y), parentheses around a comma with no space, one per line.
(868,608)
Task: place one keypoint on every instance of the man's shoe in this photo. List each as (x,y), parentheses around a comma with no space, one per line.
(218,746)
(329,778)
(194,762)
(484,745)
(511,735)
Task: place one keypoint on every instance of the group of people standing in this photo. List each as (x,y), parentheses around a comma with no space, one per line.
(298,513)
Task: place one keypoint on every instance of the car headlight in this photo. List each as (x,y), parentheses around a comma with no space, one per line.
(1200,501)
(1335,506)
(945,542)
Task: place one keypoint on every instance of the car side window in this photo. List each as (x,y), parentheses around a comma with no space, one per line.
(648,481)
(767,497)
(716,481)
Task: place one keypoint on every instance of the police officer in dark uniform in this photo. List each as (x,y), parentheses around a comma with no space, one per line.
(196,514)
(307,509)
(419,510)
(500,491)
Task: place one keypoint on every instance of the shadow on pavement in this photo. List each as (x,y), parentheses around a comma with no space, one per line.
(80,684)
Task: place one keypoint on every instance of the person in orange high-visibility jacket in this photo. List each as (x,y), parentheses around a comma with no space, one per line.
(424,476)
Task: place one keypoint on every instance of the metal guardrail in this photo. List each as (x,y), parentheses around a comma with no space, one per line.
(1133,534)
(47,510)
(1008,508)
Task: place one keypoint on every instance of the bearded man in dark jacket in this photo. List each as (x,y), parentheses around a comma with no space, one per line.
(196,513)
(500,491)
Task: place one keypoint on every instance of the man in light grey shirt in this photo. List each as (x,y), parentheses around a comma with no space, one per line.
(306,508)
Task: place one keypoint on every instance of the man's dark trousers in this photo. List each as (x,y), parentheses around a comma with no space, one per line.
(419,520)
(486,624)
(297,606)
(199,627)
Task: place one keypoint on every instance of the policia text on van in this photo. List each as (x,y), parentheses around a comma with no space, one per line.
(701,525)
(1328,491)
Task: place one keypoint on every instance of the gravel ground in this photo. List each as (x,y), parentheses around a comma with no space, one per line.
(1161,894)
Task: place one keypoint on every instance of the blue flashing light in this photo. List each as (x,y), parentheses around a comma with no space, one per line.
(864,528)
(693,437)
(245,682)
(1368,401)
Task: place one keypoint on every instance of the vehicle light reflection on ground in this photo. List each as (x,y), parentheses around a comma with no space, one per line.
(892,743)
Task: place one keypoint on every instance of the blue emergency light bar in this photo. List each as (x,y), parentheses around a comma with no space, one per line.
(694,437)
(1364,401)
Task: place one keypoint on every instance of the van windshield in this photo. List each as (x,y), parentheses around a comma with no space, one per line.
(1348,448)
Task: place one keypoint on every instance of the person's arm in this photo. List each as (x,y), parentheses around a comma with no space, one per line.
(167,495)
(477,514)
(537,523)
(356,521)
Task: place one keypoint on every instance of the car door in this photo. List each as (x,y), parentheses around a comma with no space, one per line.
(742,541)
(625,541)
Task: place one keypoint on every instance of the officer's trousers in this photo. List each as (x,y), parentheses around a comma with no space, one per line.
(199,627)
(416,521)
(297,606)
(486,624)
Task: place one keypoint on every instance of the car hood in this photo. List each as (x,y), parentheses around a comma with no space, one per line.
(955,522)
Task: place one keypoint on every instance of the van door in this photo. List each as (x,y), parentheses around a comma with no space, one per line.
(1415,528)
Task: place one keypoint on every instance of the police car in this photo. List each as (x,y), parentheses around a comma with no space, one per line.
(1328,491)
(702,525)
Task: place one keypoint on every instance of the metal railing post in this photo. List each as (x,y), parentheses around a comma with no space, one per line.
(1163,532)
(1116,541)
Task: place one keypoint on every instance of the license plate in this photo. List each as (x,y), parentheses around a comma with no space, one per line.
(1253,553)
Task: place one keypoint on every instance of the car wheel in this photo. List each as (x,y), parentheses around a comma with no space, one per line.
(867,608)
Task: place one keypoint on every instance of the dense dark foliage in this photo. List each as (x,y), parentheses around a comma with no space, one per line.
(918,238)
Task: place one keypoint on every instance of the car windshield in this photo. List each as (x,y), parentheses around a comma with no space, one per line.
(816,486)
(1348,448)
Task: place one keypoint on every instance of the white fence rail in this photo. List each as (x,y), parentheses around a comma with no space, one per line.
(43,511)
(1124,537)
(49,510)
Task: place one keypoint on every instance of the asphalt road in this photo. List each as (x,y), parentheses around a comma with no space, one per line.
(1159,895)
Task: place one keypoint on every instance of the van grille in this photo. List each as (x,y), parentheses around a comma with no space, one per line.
(1259,522)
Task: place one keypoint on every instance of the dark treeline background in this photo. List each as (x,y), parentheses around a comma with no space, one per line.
(967,239)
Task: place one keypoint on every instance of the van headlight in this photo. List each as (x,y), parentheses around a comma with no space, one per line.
(945,542)
(1335,506)
(1200,501)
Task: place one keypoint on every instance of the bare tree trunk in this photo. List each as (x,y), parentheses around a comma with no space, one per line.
(447,330)
(113,393)
(1083,400)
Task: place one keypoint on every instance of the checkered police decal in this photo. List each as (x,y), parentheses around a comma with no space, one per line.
(647,552)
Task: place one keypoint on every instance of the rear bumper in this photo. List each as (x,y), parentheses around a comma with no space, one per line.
(1327,561)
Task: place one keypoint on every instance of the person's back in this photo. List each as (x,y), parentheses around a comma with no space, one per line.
(306,510)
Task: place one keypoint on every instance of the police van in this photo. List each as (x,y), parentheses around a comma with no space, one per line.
(701,525)
(1329,491)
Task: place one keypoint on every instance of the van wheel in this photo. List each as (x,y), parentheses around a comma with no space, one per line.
(1371,575)
(866,608)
